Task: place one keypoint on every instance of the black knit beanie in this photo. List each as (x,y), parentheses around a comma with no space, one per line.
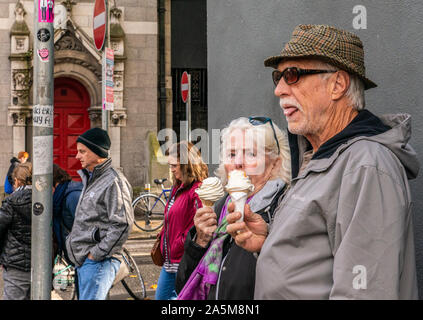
(97,140)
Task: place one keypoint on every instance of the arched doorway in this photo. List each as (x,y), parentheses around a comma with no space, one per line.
(71,103)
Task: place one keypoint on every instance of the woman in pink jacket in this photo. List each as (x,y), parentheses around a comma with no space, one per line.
(188,170)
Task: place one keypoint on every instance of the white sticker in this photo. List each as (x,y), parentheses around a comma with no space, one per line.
(43,155)
(41,183)
(42,116)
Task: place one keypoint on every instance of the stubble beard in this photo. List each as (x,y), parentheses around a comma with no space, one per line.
(301,127)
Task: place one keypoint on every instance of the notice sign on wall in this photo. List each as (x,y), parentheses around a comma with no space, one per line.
(108,65)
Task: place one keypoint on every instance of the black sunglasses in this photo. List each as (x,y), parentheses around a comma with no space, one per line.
(292,75)
(256,121)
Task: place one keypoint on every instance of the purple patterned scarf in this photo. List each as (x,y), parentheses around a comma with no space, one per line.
(207,272)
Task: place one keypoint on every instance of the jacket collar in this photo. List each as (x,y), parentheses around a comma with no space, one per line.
(181,187)
(364,126)
(98,171)
(265,196)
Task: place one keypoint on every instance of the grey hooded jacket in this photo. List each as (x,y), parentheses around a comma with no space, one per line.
(344,230)
(103,217)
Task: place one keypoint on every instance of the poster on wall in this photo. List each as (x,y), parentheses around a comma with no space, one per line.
(45,11)
(108,64)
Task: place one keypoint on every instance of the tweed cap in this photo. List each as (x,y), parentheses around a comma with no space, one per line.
(338,47)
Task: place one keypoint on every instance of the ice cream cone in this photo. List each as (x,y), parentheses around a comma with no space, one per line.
(210,191)
(239,198)
(207,203)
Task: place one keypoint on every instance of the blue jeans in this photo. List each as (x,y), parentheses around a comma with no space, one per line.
(166,286)
(95,278)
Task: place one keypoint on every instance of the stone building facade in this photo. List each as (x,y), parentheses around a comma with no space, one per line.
(134,37)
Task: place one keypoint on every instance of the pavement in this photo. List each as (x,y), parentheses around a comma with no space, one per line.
(139,245)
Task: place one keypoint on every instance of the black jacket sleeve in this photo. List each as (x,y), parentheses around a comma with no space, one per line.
(6,217)
(192,256)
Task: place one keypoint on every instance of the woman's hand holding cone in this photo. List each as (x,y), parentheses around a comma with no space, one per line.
(205,221)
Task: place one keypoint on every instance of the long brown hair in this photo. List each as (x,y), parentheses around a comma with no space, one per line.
(191,164)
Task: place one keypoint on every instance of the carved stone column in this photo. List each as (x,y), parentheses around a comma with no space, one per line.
(20,110)
(118,115)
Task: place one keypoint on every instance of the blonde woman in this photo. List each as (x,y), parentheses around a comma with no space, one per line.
(213,266)
(188,170)
(15,235)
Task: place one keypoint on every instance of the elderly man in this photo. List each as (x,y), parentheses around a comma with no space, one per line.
(344,229)
(103,217)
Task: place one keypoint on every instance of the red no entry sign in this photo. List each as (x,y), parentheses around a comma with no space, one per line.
(184,86)
(99,25)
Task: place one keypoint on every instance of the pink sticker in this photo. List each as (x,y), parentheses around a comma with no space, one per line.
(43,54)
(45,11)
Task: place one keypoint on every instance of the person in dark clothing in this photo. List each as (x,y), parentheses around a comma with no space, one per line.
(234,275)
(66,195)
(15,236)
(22,158)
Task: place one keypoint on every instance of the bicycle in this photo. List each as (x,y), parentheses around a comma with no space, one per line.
(149,208)
(129,275)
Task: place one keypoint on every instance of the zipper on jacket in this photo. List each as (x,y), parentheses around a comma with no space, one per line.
(166,224)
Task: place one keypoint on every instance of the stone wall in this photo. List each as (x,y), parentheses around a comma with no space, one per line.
(5,88)
(139,21)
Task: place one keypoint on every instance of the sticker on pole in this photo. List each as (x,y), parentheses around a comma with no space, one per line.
(38,208)
(43,155)
(99,23)
(184,87)
(46,11)
(43,35)
(42,116)
(43,54)
(108,65)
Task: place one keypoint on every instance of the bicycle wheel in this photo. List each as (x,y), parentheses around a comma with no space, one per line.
(133,283)
(148,212)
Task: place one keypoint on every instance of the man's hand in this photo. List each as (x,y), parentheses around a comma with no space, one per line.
(205,221)
(249,234)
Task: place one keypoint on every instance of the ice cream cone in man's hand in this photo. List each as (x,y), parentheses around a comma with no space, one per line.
(239,187)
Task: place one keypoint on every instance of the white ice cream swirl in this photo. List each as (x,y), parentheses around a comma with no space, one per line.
(211,189)
(238,181)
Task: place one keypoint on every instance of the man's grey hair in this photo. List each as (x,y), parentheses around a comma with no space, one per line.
(355,92)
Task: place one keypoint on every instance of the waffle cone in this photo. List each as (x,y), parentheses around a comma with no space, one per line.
(207,203)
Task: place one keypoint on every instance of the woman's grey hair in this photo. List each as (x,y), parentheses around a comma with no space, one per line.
(356,90)
(270,147)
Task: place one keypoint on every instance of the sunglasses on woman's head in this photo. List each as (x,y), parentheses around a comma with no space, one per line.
(256,121)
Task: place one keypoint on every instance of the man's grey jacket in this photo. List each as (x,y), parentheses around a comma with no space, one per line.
(103,217)
(344,230)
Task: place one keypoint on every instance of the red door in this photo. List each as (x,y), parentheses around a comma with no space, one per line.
(71,103)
